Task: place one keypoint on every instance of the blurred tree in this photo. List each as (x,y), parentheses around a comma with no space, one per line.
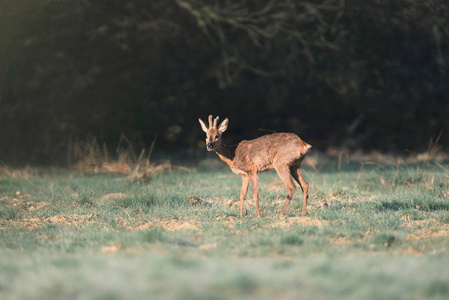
(337,72)
(265,38)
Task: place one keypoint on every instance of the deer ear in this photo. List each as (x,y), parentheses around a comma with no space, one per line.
(203,126)
(223,125)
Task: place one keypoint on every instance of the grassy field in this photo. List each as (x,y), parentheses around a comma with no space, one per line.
(373,231)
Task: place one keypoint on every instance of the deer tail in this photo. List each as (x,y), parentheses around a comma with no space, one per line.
(304,148)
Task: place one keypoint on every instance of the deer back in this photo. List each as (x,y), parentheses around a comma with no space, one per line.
(265,152)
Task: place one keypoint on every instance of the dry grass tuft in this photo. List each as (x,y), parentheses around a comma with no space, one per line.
(434,153)
(287,223)
(132,224)
(92,158)
(112,196)
(62,220)
(24,173)
(112,249)
(175,225)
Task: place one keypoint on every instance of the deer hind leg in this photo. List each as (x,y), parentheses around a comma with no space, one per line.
(284,173)
(243,190)
(297,174)
(255,188)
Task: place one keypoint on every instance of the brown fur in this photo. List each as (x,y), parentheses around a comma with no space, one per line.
(283,152)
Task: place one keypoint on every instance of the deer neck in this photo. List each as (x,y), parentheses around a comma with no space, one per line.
(226,153)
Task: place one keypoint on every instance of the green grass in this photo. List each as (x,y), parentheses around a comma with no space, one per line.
(383,234)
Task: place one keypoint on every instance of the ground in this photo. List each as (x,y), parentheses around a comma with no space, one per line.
(375,228)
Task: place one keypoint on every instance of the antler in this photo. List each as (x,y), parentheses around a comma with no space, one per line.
(214,123)
(210,121)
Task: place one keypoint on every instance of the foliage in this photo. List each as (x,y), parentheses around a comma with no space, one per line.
(339,73)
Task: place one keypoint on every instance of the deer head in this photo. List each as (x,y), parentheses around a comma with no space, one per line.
(213,133)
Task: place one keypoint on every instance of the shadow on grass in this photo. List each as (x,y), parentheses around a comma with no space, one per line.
(421,204)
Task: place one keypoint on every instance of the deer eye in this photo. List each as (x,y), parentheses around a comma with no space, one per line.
(216,136)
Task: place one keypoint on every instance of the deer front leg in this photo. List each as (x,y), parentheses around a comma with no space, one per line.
(243,190)
(255,187)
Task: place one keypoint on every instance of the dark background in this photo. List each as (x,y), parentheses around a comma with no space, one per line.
(370,75)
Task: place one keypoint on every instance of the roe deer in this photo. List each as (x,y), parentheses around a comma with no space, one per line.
(281,151)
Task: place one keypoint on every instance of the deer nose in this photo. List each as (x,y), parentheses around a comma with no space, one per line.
(210,145)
